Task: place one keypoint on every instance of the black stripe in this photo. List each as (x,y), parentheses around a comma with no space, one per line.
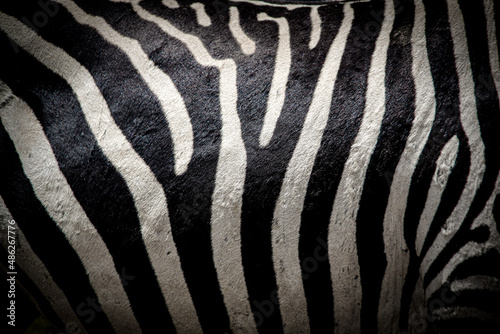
(45,238)
(446,125)
(188,195)
(395,128)
(343,124)
(489,122)
(466,325)
(96,184)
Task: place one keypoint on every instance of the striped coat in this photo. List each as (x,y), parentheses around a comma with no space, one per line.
(243,167)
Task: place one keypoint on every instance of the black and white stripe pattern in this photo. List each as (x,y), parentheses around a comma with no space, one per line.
(247,167)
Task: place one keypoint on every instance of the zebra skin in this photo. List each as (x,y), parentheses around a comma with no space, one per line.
(251,167)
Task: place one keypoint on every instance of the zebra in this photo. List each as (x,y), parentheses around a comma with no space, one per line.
(251,166)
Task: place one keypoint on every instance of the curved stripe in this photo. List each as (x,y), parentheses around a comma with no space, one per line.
(53,191)
(38,273)
(425,111)
(492,42)
(247,45)
(159,82)
(229,182)
(315,27)
(147,192)
(444,165)
(471,249)
(277,92)
(286,221)
(342,229)
(470,123)
(201,16)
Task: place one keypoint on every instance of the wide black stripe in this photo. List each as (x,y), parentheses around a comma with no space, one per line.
(478,265)
(466,325)
(488,114)
(395,128)
(446,125)
(96,184)
(480,299)
(188,195)
(45,238)
(343,124)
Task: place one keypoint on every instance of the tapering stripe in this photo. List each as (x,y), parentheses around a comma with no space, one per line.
(470,123)
(282,64)
(159,82)
(229,181)
(27,259)
(444,166)
(54,192)
(147,192)
(286,221)
(315,27)
(343,255)
(247,45)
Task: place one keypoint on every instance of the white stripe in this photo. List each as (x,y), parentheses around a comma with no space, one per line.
(444,166)
(471,249)
(470,123)
(395,246)
(466,313)
(229,182)
(201,16)
(147,192)
(286,222)
(277,92)
(160,84)
(478,282)
(172,4)
(36,271)
(485,218)
(342,231)
(315,27)
(269,4)
(492,42)
(247,45)
(53,191)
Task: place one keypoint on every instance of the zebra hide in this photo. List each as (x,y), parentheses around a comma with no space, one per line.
(250,167)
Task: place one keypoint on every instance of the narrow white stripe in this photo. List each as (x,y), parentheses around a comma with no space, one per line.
(36,271)
(470,123)
(201,16)
(247,45)
(286,222)
(492,42)
(158,81)
(466,313)
(277,92)
(478,282)
(172,4)
(485,218)
(148,194)
(229,182)
(342,230)
(315,27)
(268,4)
(471,249)
(444,165)
(53,191)
(396,249)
